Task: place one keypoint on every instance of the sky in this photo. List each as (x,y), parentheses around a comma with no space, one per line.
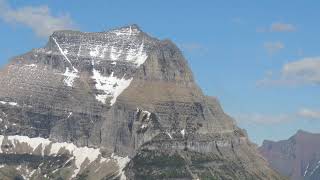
(260,58)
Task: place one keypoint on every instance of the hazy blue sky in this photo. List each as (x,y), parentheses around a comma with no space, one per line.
(260,58)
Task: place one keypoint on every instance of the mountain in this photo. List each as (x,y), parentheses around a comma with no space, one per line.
(116,105)
(298,157)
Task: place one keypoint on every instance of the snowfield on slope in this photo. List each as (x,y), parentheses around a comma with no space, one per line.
(79,154)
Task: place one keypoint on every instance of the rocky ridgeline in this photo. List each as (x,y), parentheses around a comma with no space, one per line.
(126,95)
(297,157)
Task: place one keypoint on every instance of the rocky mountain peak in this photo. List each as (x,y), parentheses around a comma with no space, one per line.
(127,98)
(128,30)
(118,44)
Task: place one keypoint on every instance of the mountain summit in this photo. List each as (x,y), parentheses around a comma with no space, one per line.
(116,105)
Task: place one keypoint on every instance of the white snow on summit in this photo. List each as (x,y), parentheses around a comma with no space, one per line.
(128,31)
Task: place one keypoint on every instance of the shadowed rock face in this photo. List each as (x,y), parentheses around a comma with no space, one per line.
(298,157)
(127,93)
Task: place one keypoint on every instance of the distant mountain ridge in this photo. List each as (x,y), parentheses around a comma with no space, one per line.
(298,157)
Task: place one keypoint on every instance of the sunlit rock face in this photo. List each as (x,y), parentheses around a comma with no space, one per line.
(123,96)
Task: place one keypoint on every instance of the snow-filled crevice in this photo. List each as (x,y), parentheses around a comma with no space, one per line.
(69,74)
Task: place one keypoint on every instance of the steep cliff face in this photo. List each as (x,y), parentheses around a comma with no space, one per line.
(128,96)
(298,157)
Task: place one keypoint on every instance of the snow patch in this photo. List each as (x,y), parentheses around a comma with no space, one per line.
(80,154)
(145,113)
(183,132)
(12,103)
(137,56)
(223,143)
(115,54)
(112,86)
(98,51)
(170,136)
(70,77)
(145,118)
(1,140)
(148,114)
(32,172)
(94,52)
(9,103)
(144,126)
(79,52)
(70,114)
(103,52)
(122,162)
(33,143)
(31,65)
(129,31)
